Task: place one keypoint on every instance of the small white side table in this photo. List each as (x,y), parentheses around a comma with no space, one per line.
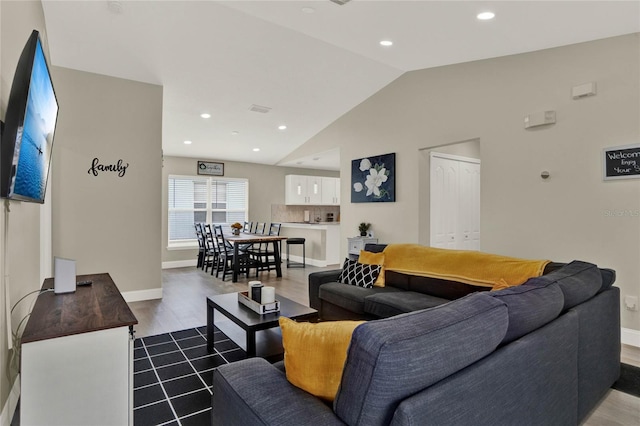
(355,244)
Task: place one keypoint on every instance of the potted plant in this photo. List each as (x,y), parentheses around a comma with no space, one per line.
(236,227)
(363,228)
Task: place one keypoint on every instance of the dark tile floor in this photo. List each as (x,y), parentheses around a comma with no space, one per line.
(173,375)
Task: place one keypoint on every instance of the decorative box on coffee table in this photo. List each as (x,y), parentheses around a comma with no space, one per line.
(259,308)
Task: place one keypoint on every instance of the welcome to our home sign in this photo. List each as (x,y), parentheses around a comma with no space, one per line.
(621,162)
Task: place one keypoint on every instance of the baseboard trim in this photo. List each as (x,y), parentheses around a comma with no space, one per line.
(140,295)
(9,409)
(630,337)
(179,264)
(308,261)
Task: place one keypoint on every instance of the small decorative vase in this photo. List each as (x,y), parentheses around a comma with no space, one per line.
(236,231)
(363,233)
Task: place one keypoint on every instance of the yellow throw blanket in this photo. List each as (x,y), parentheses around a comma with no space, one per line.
(470,267)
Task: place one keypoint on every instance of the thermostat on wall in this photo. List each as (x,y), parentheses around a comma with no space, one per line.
(583,90)
(539,119)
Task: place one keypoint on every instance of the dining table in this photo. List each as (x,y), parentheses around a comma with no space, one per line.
(247,238)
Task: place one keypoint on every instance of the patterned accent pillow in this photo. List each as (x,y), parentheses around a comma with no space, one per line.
(346,265)
(358,274)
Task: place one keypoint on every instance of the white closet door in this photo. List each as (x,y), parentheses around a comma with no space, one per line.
(444,202)
(469,213)
(455,202)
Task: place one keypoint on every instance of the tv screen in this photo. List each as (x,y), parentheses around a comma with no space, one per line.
(30,124)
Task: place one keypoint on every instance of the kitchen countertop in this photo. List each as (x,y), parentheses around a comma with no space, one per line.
(309,225)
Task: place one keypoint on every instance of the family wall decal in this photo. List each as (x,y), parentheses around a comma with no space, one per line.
(118,168)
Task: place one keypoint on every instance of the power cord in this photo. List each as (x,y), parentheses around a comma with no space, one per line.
(13,362)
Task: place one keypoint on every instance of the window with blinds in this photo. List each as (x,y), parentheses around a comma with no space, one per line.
(207,200)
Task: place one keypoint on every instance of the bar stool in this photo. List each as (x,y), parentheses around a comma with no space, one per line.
(296,241)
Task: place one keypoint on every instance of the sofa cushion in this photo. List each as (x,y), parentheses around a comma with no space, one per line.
(374,248)
(438,287)
(578,281)
(432,344)
(358,274)
(370,258)
(350,297)
(384,305)
(314,354)
(445,289)
(239,391)
(608,278)
(530,307)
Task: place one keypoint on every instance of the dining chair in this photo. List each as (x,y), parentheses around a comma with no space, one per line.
(201,245)
(274,228)
(227,259)
(248,226)
(211,254)
(264,254)
(260,227)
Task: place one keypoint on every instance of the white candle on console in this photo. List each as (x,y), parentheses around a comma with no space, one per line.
(268,295)
(251,284)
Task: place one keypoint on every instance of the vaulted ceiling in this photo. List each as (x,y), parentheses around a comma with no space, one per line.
(308,62)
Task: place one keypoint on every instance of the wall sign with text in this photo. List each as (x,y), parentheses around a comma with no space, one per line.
(210,168)
(621,162)
(120,168)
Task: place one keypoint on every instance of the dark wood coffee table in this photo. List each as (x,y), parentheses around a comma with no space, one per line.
(248,320)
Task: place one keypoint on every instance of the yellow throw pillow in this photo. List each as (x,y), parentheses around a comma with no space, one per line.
(314,354)
(369,258)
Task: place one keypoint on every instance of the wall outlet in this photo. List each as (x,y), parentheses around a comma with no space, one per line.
(631,303)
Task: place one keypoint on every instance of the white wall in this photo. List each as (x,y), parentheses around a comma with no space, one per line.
(108,223)
(21,244)
(561,218)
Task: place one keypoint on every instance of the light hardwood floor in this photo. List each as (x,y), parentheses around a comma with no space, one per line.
(184,306)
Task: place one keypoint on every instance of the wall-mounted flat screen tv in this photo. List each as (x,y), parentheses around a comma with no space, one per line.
(30,122)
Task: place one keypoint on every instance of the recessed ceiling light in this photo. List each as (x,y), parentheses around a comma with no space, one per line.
(386,43)
(485,16)
(256,149)
(282,127)
(187,142)
(235,133)
(308,9)
(205,115)
(114,6)
(316,158)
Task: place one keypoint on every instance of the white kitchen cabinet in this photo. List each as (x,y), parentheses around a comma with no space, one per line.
(300,190)
(331,191)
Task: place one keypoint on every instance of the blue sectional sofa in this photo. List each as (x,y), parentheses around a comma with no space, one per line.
(542,353)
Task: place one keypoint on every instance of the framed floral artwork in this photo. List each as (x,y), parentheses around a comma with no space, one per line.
(373,179)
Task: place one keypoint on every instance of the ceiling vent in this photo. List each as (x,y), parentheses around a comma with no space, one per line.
(340,2)
(258,108)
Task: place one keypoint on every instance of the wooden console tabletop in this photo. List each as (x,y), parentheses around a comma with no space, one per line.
(98,306)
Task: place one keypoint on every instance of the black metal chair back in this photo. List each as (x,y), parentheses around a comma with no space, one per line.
(274,228)
(201,246)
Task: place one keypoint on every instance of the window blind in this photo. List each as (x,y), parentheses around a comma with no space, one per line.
(206,200)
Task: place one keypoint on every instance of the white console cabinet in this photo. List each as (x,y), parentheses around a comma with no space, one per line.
(77,358)
(356,244)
